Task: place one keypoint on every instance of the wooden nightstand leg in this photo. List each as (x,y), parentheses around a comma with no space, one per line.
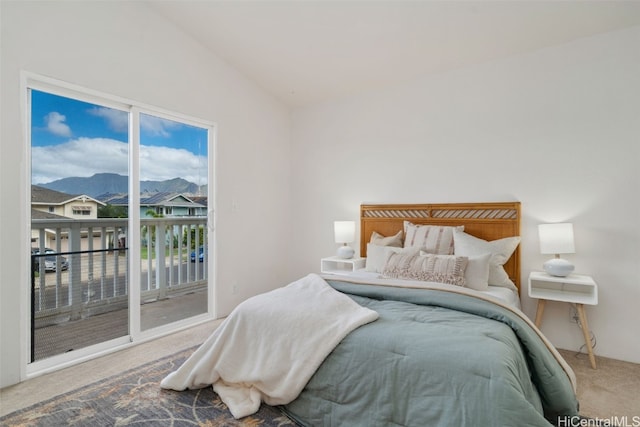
(587,335)
(539,312)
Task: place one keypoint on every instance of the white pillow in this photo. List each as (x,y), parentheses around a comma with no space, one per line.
(377,256)
(379,239)
(435,239)
(375,250)
(476,276)
(501,250)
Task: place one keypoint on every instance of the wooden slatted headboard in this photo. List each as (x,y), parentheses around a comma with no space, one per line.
(488,221)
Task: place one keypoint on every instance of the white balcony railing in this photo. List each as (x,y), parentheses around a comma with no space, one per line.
(81,267)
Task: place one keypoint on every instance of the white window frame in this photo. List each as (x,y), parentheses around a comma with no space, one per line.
(46,84)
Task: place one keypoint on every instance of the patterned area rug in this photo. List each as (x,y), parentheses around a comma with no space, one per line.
(134,398)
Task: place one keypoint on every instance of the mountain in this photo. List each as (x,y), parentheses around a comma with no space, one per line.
(102,183)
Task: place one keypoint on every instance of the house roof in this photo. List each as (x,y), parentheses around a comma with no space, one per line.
(157,199)
(45,196)
(36,214)
(41,195)
(201,200)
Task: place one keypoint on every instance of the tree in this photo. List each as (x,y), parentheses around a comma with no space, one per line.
(192,231)
(152,214)
(110,211)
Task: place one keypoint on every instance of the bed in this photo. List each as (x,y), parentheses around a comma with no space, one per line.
(428,333)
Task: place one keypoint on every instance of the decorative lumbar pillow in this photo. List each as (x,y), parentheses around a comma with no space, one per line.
(476,274)
(427,268)
(380,240)
(377,256)
(501,250)
(435,239)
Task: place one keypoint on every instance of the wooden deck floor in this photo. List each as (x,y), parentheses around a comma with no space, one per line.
(73,335)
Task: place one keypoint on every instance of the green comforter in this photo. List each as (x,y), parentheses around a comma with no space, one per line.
(435,358)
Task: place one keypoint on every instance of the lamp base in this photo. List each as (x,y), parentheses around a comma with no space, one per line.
(345,252)
(558,267)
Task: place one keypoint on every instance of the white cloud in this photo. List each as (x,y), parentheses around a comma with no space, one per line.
(84,157)
(55,124)
(156,126)
(117,120)
(160,163)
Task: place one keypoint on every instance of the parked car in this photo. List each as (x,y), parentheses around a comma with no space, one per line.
(200,255)
(51,260)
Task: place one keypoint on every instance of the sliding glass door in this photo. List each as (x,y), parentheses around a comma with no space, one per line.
(120,230)
(173,217)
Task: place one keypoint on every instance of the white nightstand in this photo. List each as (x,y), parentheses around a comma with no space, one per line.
(335,265)
(576,289)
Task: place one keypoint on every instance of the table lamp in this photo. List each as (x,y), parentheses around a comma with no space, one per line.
(344,232)
(557,239)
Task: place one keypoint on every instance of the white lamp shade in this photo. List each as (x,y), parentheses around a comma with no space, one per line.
(556,238)
(344,231)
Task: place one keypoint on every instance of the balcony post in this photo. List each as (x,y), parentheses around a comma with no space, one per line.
(161,249)
(75,273)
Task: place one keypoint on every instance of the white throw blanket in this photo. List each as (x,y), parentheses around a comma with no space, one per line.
(270,345)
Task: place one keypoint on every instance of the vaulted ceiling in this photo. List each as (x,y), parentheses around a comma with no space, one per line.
(305,52)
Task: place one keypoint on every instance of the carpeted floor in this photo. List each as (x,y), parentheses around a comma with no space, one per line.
(608,394)
(135,398)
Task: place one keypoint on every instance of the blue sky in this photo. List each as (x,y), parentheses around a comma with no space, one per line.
(75,138)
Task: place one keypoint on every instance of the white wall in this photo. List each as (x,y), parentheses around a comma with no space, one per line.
(556,129)
(125,49)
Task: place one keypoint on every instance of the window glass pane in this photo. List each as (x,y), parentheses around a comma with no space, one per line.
(79,280)
(173,212)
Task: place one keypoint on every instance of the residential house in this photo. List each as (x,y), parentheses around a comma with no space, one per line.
(51,204)
(163,204)
(63,204)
